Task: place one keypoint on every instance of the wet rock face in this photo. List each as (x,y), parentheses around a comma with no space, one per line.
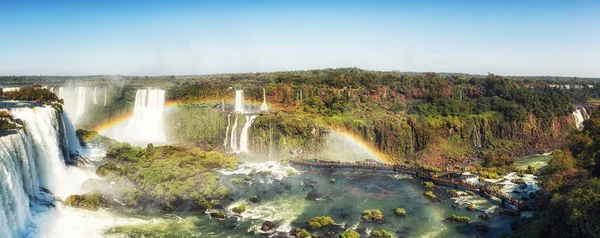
(313,196)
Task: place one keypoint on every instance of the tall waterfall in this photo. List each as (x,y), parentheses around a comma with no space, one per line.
(32,159)
(233,143)
(239,101)
(60,92)
(264,106)
(146,124)
(578,116)
(244,134)
(80,104)
(227,131)
(105,97)
(95,101)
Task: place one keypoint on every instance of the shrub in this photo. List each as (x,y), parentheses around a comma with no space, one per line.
(453,193)
(470,192)
(471,207)
(319,222)
(254,199)
(428,185)
(332,180)
(373,215)
(400,212)
(381,234)
(459,218)
(430,194)
(350,234)
(239,209)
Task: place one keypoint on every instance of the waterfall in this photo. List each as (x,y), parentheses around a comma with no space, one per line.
(239,101)
(578,118)
(244,135)
(477,140)
(60,92)
(264,106)
(227,131)
(95,101)
(32,159)
(585,113)
(80,104)
(105,97)
(233,143)
(146,124)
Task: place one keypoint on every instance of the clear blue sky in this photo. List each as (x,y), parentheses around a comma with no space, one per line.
(192,37)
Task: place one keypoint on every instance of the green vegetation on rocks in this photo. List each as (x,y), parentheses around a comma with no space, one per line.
(32,93)
(240,209)
(90,201)
(165,176)
(320,222)
(349,234)
(381,234)
(400,212)
(430,195)
(302,233)
(372,215)
(459,218)
(428,185)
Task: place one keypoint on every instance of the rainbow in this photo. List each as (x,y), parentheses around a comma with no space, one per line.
(374,153)
(366,146)
(113,122)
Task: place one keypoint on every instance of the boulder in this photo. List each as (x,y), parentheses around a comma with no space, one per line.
(267,225)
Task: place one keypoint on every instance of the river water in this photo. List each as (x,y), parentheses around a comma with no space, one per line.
(283,190)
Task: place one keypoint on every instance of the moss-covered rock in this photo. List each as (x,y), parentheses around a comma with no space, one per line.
(381,234)
(90,201)
(459,218)
(372,215)
(349,234)
(320,222)
(239,209)
(400,212)
(428,185)
(429,194)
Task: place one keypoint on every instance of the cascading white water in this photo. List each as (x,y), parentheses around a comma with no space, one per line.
(80,104)
(264,106)
(244,134)
(233,143)
(60,92)
(95,101)
(585,113)
(146,124)
(105,97)
(239,101)
(578,118)
(32,159)
(227,131)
